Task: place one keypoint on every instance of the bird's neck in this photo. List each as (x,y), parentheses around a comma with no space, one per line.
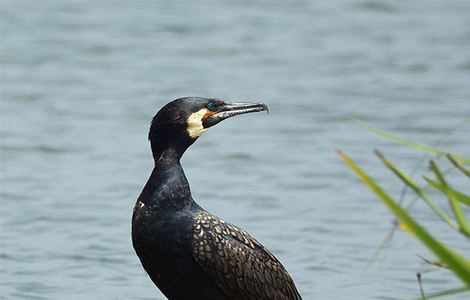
(167,187)
(169,142)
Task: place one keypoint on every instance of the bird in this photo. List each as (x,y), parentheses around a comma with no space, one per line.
(188,252)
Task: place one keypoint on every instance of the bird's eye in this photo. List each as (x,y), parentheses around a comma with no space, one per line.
(212,106)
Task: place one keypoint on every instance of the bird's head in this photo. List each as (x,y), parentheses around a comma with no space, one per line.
(179,123)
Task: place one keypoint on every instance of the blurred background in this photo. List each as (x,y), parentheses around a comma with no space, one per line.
(80,81)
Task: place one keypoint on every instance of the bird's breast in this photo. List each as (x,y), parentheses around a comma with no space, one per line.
(161,231)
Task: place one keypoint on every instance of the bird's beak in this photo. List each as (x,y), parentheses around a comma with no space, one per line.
(232,109)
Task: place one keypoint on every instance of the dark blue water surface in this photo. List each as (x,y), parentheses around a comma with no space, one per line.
(80,81)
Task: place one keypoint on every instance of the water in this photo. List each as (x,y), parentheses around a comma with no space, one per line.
(80,81)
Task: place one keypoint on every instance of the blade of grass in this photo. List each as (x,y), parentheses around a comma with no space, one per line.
(458,165)
(459,215)
(445,293)
(465,199)
(409,143)
(391,232)
(419,191)
(438,264)
(384,244)
(389,236)
(457,263)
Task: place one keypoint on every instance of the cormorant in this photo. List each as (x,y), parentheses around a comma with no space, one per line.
(188,252)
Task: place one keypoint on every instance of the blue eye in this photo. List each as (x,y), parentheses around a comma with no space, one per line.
(211,106)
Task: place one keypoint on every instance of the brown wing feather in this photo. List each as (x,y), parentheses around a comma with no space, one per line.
(239,264)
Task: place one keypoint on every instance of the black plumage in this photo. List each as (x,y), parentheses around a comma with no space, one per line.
(187,252)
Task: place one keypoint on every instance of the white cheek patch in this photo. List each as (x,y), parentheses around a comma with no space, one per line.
(195,128)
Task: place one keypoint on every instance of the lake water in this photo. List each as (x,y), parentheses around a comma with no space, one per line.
(80,81)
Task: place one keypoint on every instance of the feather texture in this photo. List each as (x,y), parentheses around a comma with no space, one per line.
(238,263)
